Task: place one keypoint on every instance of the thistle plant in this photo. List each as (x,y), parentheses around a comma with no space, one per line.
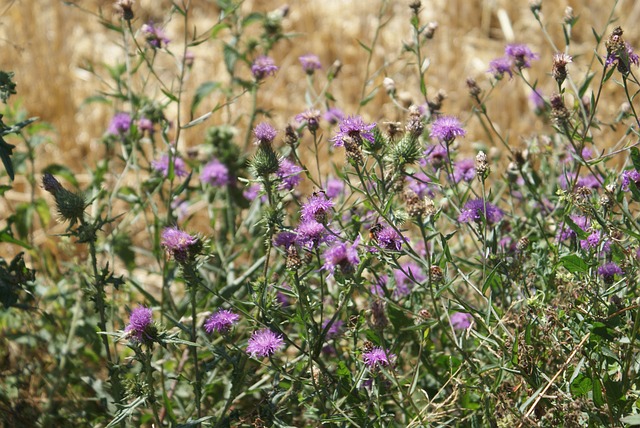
(418,264)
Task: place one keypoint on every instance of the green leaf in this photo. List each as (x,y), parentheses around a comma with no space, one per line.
(369,97)
(574,264)
(203,90)
(169,95)
(596,35)
(251,18)
(581,386)
(365,47)
(4,189)
(585,85)
(398,318)
(577,229)
(230,57)
(42,208)
(635,158)
(493,280)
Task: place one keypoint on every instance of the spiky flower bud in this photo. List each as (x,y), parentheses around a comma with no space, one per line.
(353,151)
(265,161)
(569,18)
(415,124)
(70,205)
(474,89)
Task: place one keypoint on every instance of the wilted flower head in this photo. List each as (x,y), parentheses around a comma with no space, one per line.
(343,256)
(461,320)
(179,244)
(215,173)
(264,133)
(221,321)
(125,9)
(264,343)
(520,54)
(120,124)
(318,208)
(477,209)
(155,36)
(378,357)
(289,174)
(559,68)
(310,63)
(447,128)
(311,118)
(162,166)
(140,325)
(620,52)
(355,128)
(262,67)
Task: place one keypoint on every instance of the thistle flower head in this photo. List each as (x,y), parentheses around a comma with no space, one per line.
(311,118)
(475,210)
(389,239)
(264,343)
(355,128)
(318,207)
(447,129)
(464,169)
(221,321)
(377,358)
(289,174)
(140,326)
(310,63)
(264,133)
(499,67)
(120,124)
(162,166)
(182,246)
(608,271)
(215,173)
(520,54)
(310,234)
(262,67)
(461,320)
(343,256)
(155,36)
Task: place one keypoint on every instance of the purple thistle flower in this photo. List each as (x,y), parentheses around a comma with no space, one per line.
(154,35)
(334,188)
(140,321)
(310,234)
(120,124)
(145,125)
(215,173)
(592,241)
(264,133)
(334,116)
(446,128)
(388,239)
(318,208)
(343,256)
(615,58)
(499,67)
(537,100)
(609,270)
(356,128)
(310,63)
(178,243)
(436,155)
(464,170)
(251,192)
(377,357)
(588,181)
(335,328)
(262,67)
(162,166)
(264,343)
(311,118)
(520,54)
(289,173)
(627,177)
(221,321)
(461,320)
(284,239)
(477,209)
(565,232)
